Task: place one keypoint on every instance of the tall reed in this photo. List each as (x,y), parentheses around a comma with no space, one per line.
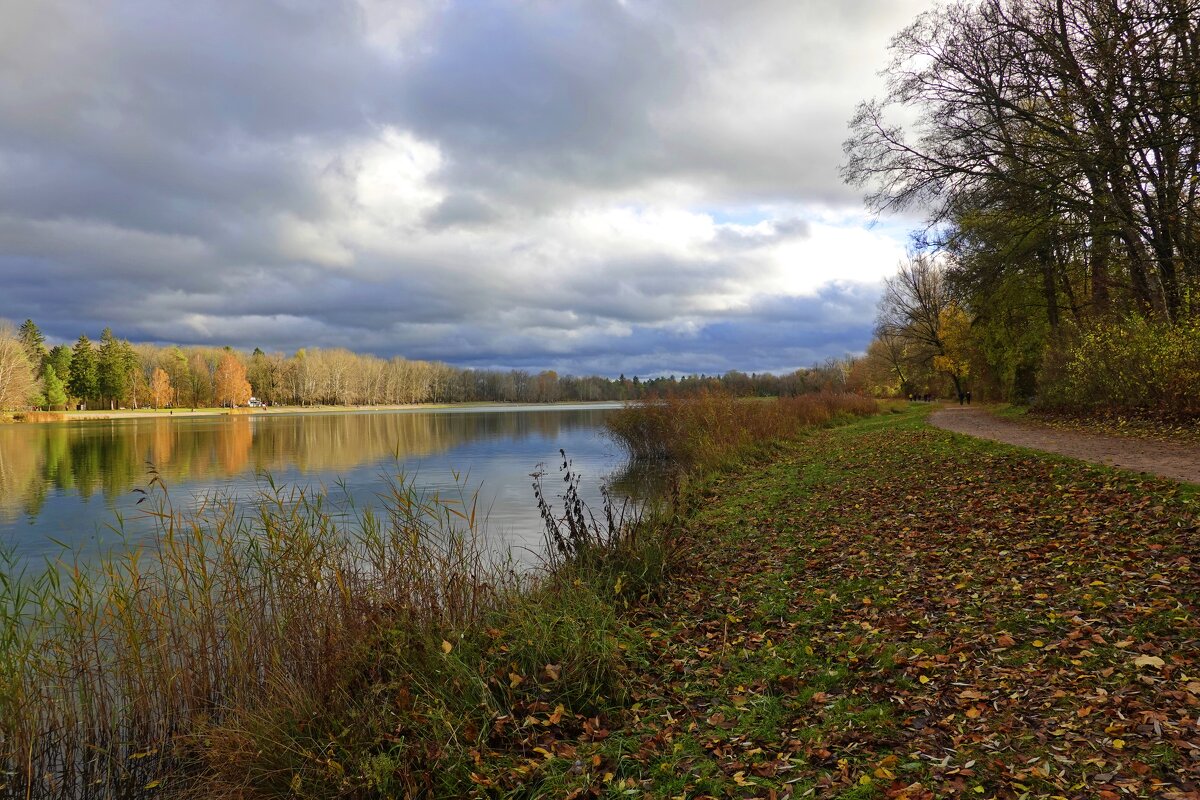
(184,657)
(701,431)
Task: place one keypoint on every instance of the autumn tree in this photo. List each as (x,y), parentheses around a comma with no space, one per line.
(18,385)
(200,380)
(232,388)
(161,393)
(920,322)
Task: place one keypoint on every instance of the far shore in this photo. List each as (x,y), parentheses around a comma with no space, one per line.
(34,417)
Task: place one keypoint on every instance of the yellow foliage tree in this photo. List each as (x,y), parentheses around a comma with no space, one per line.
(232,387)
(954,329)
(160,388)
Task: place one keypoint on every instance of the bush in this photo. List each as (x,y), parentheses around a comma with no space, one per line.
(1135,365)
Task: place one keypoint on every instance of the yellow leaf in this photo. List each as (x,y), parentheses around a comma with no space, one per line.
(446,646)
(1149,661)
(1038,643)
(514,680)
(1118,744)
(924,679)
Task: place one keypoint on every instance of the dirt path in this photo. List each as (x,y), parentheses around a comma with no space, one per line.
(1179,462)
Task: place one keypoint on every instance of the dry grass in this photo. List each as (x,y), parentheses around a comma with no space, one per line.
(39,416)
(180,657)
(703,431)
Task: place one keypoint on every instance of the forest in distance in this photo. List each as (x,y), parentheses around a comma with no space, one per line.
(120,374)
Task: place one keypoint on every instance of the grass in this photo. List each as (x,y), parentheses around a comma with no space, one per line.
(887,610)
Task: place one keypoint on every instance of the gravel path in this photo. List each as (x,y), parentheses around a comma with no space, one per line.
(1177,461)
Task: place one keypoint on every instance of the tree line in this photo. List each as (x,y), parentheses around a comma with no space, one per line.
(1054,151)
(118,374)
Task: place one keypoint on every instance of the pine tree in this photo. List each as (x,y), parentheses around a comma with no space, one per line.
(34,343)
(60,359)
(52,388)
(112,371)
(84,382)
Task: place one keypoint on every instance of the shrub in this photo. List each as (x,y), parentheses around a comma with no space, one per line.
(1135,365)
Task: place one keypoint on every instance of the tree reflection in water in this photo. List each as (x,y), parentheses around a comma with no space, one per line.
(66,464)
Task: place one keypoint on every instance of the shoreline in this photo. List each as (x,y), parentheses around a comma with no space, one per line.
(44,417)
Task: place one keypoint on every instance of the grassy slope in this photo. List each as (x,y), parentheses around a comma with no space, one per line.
(883,609)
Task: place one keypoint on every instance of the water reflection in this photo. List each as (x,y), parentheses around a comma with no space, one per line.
(50,474)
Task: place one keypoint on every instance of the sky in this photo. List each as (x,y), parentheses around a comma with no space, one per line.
(591,186)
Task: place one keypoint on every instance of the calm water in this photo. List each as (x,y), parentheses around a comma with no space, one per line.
(69,483)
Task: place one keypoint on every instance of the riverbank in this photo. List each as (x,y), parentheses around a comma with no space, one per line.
(885,609)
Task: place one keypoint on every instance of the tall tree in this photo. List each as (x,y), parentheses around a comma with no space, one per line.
(232,388)
(918,315)
(85,381)
(112,368)
(1089,108)
(60,359)
(53,389)
(34,343)
(18,384)
(160,388)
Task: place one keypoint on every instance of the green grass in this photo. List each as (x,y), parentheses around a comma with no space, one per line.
(845,628)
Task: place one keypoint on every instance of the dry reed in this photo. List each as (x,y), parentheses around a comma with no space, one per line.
(40,416)
(701,431)
(157,664)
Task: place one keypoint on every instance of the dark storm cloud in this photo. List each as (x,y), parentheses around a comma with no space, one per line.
(484,182)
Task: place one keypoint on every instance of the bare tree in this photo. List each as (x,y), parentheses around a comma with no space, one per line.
(18,384)
(1091,106)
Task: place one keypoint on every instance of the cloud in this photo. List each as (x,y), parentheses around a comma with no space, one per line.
(619,186)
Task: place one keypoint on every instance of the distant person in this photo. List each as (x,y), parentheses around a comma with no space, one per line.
(968,398)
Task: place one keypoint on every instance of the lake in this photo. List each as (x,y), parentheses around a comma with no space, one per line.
(73,483)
